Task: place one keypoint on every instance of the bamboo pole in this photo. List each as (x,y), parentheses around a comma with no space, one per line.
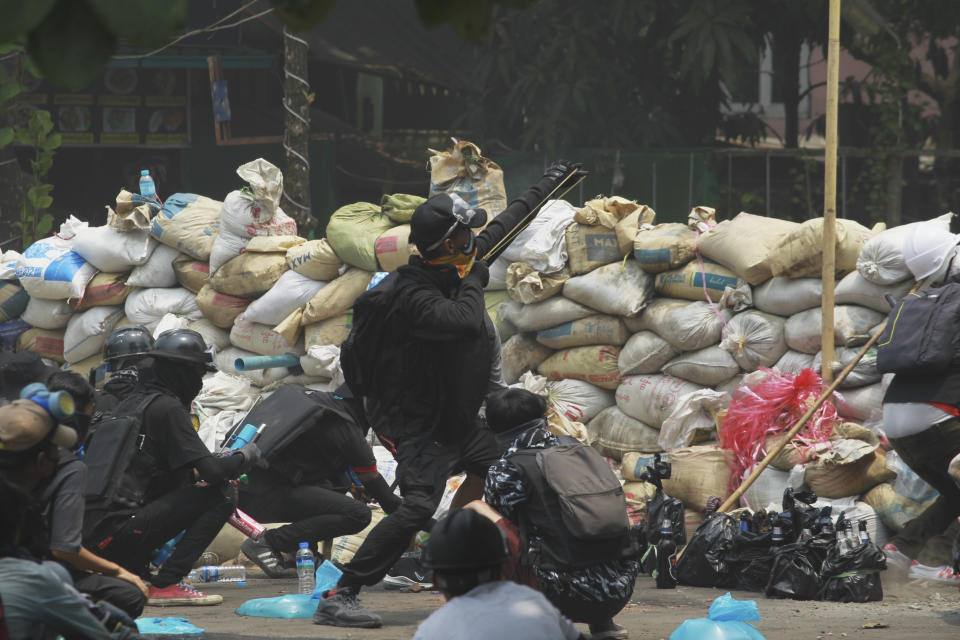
(830,194)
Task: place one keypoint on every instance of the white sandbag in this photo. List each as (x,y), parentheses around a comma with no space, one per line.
(881,259)
(47,314)
(113,251)
(543,315)
(578,400)
(528,286)
(855,289)
(87,331)
(619,289)
(170,322)
(687,326)
(50,269)
(291,291)
(707,367)
(644,352)
(594,364)
(864,373)
(223,391)
(852,325)
(215,427)
(754,339)
(8,264)
(157,271)
(793,362)
(863,405)
(225,359)
(596,329)
(697,281)
(522,353)
(692,414)
(226,246)
(214,336)
(730,386)
(543,243)
(744,243)
(147,306)
(651,398)
(854,510)
(664,247)
(323,361)
(262,339)
(498,275)
(787,296)
(614,433)
(766,489)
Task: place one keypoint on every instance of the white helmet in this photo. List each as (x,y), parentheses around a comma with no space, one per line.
(927,249)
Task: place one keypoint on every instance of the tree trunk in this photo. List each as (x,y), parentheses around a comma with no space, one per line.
(787,44)
(894,198)
(296,133)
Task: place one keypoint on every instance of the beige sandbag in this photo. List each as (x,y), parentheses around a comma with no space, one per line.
(598,329)
(188,223)
(492,301)
(628,227)
(13,300)
(637,494)
(614,433)
(47,343)
(290,327)
(345,547)
(249,275)
(338,296)
(272,244)
(332,331)
(521,353)
(528,286)
(744,243)
(619,289)
(85,366)
(851,327)
(664,247)
(393,248)
(688,282)
(105,290)
(697,473)
(219,308)
(261,339)
(644,352)
(652,398)
(595,364)
(707,367)
(607,212)
(314,259)
(591,246)
(191,274)
(831,480)
(894,510)
(792,453)
(799,252)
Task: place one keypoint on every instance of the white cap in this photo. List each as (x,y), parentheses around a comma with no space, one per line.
(927,249)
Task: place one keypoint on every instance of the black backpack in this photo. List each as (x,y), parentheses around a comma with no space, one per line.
(922,335)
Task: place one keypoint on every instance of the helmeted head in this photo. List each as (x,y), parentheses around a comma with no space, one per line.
(125,346)
(443,226)
(183,346)
(465,549)
(927,250)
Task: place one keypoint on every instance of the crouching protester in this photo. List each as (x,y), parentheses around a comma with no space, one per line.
(466,553)
(151,477)
(122,350)
(584,565)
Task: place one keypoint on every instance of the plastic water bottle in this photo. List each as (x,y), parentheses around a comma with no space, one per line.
(148,188)
(305,568)
(225,573)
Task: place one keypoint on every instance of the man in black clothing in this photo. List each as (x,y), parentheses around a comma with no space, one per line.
(427,414)
(162,475)
(123,349)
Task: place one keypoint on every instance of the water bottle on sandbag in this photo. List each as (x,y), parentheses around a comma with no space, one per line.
(148,188)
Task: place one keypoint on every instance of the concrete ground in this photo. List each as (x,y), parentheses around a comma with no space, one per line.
(909,610)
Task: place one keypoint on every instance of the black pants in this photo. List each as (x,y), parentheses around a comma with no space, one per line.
(315,513)
(117,592)
(578,610)
(201,511)
(423,467)
(929,453)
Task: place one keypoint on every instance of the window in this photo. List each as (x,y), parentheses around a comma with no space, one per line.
(760,86)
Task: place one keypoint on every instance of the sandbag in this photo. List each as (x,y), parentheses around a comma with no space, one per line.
(492,301)
(863,404)
(187,222)
(787,296)
(274,244)
(754,339)
(249,275)
(49,269)
(651,398)
(113,251)
(353,231)
(687,326)
(463,170)
(13,300)
(527,286)
(157,271)
(591,246)
(8,264)
(105,290)
(830,480)
(799,252)
(598,329)
(343,548)
(609,212)
(881,259)
(522,353)
(191,274)
(698,473)
(615,433)
(543,244)
(726,245)
(864,373)
(706,367)
(87,331)
(261,339)
(577,400)
(147,306)
(498,275)
(337,297)
(399,207)
(664,247)
(290,291)
(213,335)
(543,315)
(852,325)
(855,289)
(619,289)
(47,314)
(393,248)
(315,259)
(793,362)
(688,281)
(225,359)
(594,364)
(219,308)
(766,489)
(47,343)
(332,331)
(628,226)
(893,509)
(644,352)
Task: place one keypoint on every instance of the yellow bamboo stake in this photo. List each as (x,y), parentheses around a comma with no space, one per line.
(830,193)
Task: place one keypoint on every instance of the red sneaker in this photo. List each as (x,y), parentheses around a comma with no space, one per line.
(180,594)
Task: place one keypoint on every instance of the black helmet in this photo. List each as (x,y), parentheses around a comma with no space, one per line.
(127,342)
(183,345)
(465,542)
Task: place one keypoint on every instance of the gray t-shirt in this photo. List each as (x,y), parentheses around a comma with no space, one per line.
(63,503)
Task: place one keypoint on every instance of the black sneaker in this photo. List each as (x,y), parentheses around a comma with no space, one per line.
(406,573)
(343,609)
(265,557)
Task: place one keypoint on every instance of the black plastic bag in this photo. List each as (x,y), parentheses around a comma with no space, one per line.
(853,575)
(703,562)
(794,573)
(660,507)
(750,560)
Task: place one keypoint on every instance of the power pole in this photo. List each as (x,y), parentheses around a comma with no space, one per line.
(296,132)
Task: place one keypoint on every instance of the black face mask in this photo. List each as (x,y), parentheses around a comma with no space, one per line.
(184,380)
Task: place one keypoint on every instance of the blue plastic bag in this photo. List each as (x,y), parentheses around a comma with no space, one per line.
(293,605)
(167,626)
(726,621)
(327,576)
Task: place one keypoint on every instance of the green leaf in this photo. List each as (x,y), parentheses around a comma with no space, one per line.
(44,202)
(52,142)
(71,46)
(22,136)
(6,136)
(146,22)
(20,16)
(45,225)
(9,90)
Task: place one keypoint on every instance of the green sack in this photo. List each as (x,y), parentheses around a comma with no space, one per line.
(353,231)
(399,207)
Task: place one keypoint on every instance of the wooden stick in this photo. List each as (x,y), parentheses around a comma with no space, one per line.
(828,273)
